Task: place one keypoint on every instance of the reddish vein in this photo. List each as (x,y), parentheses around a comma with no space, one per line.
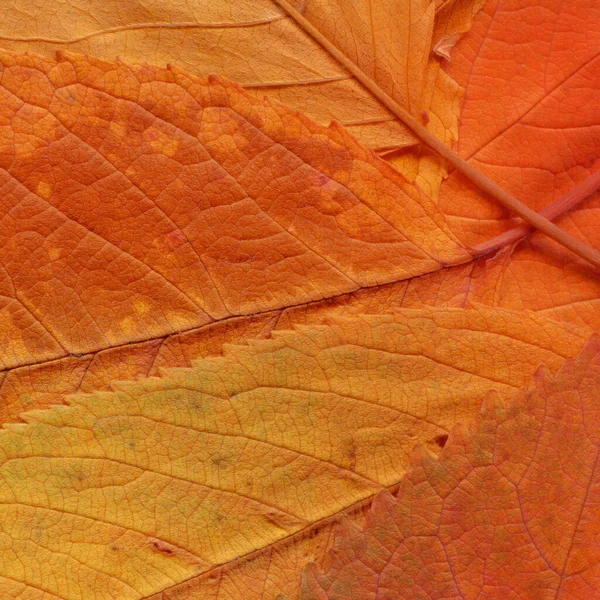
(539,221)
(554,210)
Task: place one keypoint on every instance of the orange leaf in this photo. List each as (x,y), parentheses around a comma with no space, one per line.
(442,96)
(478,178)
(565,288)
(258,46)
(151,218)
(151,202)
(508,510)
(142,318)
(536,274)
(528,114)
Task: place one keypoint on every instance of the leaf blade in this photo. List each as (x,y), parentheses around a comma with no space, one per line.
(504,510)
(550,115)
(198,194)
(192,470)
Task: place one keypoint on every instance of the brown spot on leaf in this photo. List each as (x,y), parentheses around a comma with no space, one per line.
(440,440)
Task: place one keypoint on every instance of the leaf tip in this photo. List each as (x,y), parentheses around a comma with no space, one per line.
(419,457)
(492,402)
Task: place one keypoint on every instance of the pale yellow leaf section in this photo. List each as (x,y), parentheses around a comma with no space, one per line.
(254,43)
(389,40)
(441,96)
(122,494)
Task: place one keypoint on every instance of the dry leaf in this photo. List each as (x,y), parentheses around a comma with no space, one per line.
(123,494)
(145,318)
(529,115)
(535,274)
(151,202)
(151,218)
(508,510)
(257,45)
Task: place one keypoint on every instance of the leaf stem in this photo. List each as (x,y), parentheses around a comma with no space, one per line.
(535,219)
(554,210)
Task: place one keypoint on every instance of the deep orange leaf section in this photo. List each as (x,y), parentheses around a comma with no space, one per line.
(508,510)
(529,115)
(138,202)
(536,274)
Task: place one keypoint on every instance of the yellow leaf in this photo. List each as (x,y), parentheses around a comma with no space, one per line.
(124,493)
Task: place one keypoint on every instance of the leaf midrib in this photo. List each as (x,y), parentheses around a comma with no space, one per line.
(484,183)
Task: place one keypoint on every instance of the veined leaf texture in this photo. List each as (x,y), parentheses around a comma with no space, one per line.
(200,178)
(392,42)
(521,474)
(259,341)
(192,470)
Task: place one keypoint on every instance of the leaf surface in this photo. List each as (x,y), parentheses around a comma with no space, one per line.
(563,287)
(529,117)
(151,202)
(534,274)
(390,39)
(173,476)
(498,281)
(151,218)
(34,340)
(508,510)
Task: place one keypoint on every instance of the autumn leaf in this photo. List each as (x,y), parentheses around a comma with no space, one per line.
(391,40)
(187,203)
(565,289)
(151,218)
(509,509)
(535,130)
(146,317)
(176,475)
(533,274)
(400,46)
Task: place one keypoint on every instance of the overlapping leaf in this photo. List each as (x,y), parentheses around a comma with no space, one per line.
(535,128)
(509,509)
(151,202)
(141,318)
(145,210)
(130,492)
(257,45)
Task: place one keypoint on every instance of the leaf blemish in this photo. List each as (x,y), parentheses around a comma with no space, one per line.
(163,547)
